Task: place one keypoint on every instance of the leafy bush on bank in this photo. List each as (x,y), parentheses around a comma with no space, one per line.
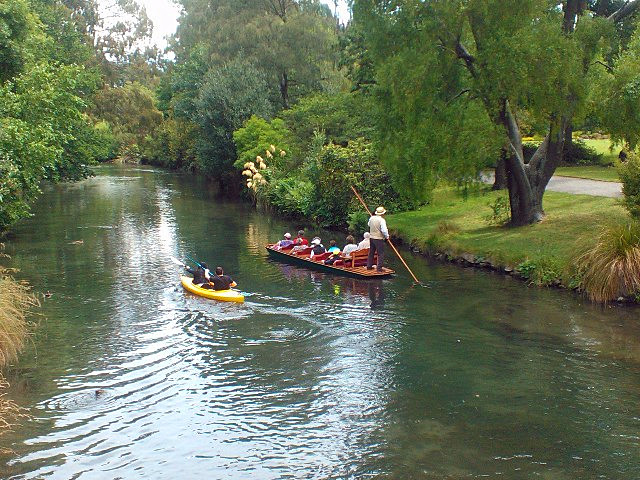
(630,176)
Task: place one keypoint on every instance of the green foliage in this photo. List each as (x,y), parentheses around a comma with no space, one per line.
(173,145)
(426,133)
(338,168)
(617,96)
(228,97)
(541,273)
(17,24)
(290,196)
(580,154)
(341,117)
(611,267)
(500,211)
(256,136)
(358,222)
(131,112)
(43,134)
(446,72)
(630,177)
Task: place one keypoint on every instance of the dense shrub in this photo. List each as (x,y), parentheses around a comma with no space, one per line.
(290,196)
(340,117)
(256,137)
(358,222)
(630,176)
(336,169)
(172,145)
(580,154)
(576,154)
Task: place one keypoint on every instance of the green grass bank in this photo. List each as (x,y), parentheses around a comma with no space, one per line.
(543,253)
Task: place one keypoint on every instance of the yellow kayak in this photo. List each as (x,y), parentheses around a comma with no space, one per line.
(221,295)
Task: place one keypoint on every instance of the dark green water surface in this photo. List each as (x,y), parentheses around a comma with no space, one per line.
(315,376)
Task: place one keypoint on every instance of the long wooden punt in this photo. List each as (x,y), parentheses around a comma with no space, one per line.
(356,266)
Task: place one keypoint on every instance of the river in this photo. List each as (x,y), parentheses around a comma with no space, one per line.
(314,376)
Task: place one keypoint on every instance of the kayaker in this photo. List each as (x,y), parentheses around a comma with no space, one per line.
(221,281)
(285,243)
(201,275)
(379,235)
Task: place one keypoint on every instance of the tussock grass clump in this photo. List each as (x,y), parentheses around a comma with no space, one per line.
(446,227)
(15,301)
(10,413)
(611,268)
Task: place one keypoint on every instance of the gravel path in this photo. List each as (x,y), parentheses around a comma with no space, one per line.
(578,185)
(585,187)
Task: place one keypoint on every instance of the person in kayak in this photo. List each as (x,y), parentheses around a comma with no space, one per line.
(201,275)
(221,281)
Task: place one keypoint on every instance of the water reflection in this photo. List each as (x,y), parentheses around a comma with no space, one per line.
(315,376)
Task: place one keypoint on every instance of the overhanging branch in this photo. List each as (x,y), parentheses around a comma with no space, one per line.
(469,59)
(627,9)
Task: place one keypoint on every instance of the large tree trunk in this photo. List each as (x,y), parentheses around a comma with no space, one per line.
(527,180)
(500,175)
(284,90)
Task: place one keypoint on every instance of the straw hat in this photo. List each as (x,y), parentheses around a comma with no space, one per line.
(380,211)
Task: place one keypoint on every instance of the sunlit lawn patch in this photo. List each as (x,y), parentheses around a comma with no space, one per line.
(553,242)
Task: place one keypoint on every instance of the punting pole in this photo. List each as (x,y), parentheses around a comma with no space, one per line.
(389,240)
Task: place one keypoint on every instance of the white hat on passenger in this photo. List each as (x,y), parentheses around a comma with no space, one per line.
(316,241)
(287,235)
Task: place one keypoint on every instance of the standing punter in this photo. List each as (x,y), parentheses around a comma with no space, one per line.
(379,235)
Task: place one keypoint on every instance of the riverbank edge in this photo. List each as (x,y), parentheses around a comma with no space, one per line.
(471,260)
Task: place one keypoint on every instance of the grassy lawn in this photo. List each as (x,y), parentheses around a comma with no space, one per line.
(548,249)
(606,174)
(603,146)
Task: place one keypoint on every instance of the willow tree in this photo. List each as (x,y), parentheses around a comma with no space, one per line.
(457,71)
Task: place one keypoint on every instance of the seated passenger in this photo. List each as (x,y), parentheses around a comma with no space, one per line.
(335,253)
(366,242)
(349,247)
(300,243)
(318,248)
(300,240)
(284,243)
(201,275)
(333,248)
(221,281)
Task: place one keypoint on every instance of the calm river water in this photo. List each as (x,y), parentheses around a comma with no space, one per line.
(315,376)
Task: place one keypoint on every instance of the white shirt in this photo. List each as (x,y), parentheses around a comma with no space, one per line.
(378,227)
